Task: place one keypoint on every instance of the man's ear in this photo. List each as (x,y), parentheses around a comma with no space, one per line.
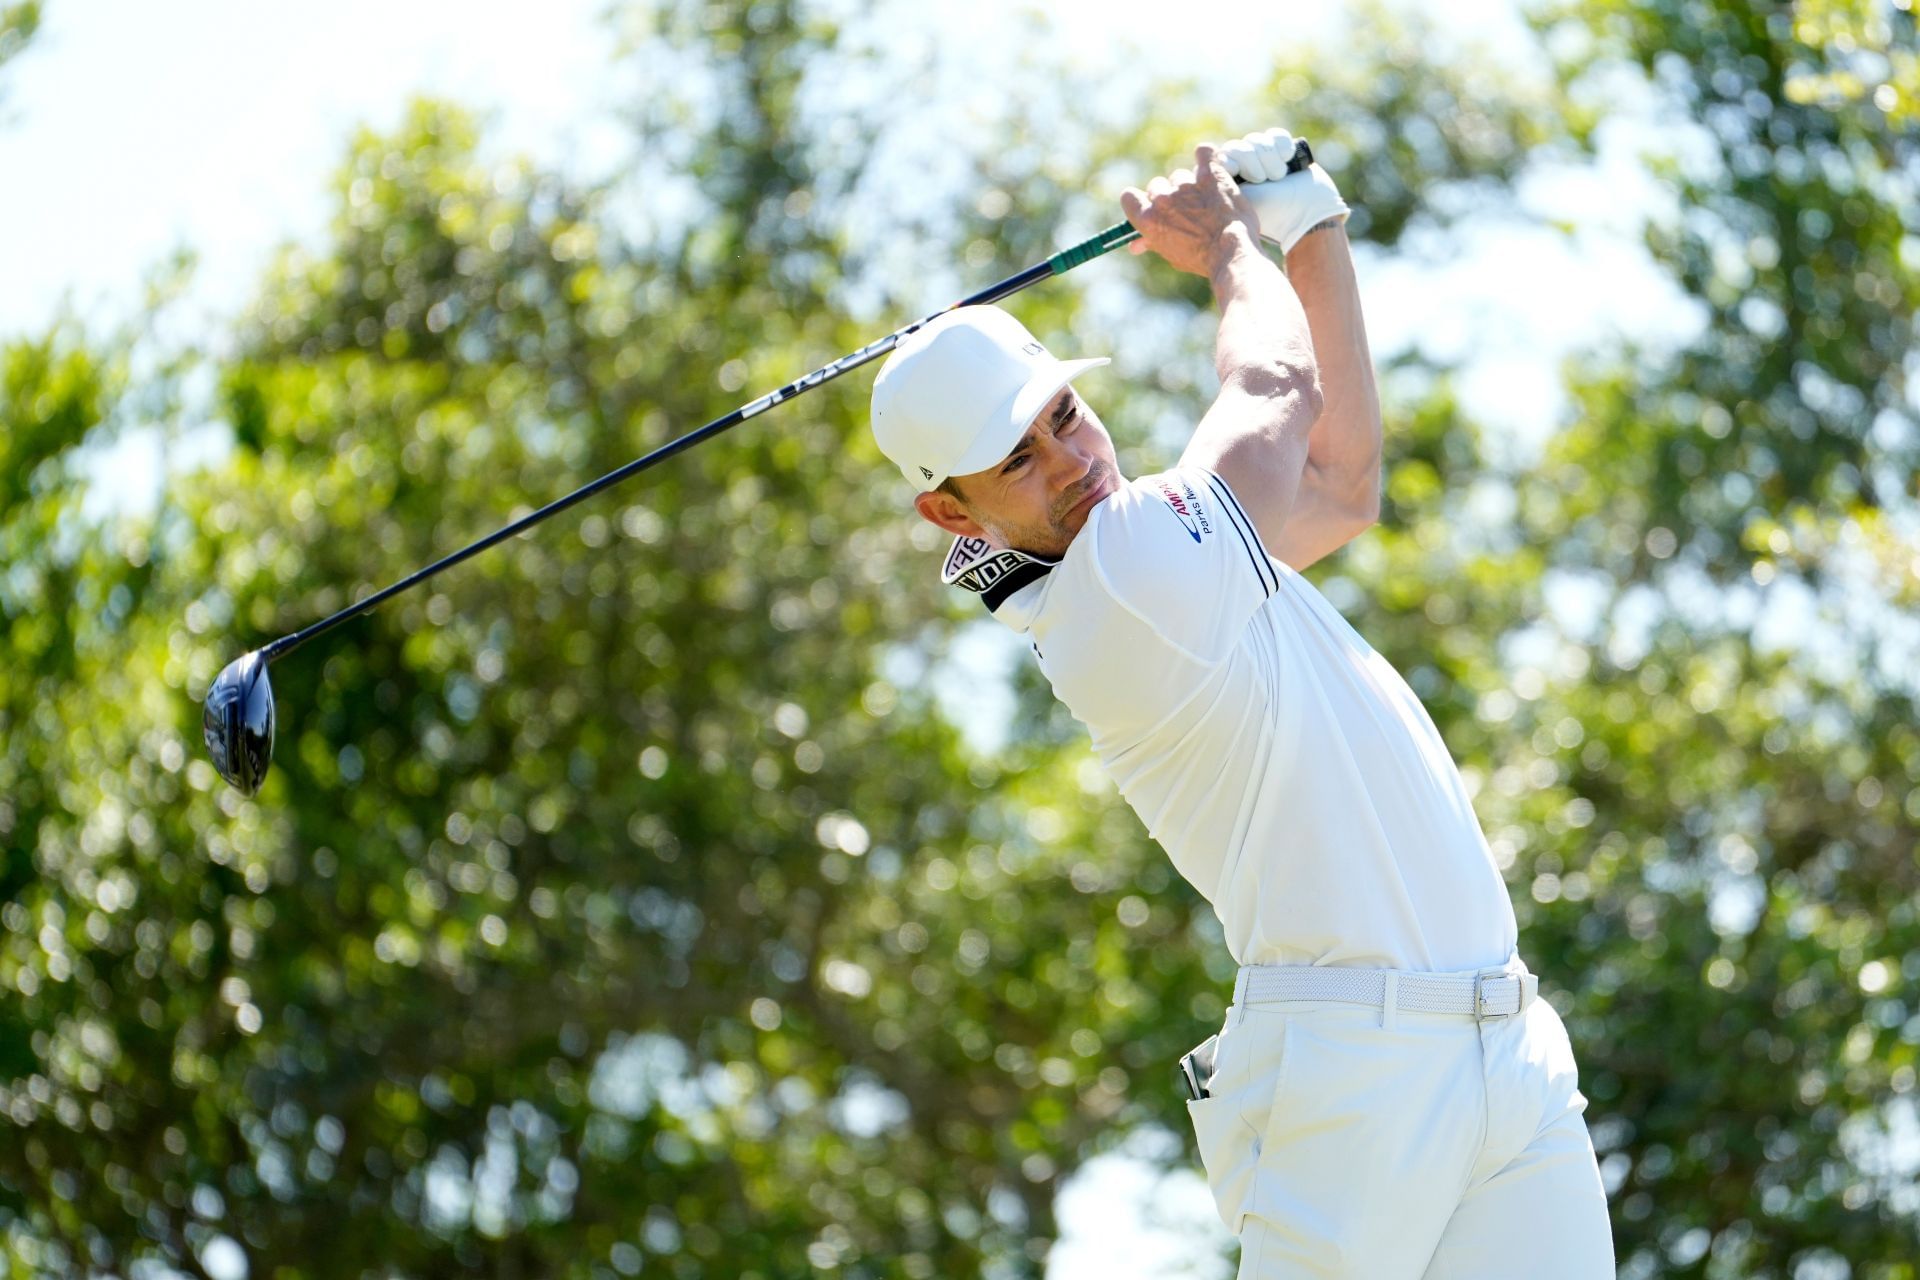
(946,511)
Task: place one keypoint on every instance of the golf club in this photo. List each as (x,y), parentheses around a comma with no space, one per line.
(238,714)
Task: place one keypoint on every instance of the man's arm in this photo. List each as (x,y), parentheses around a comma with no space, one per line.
(1256,435)
(1339,493)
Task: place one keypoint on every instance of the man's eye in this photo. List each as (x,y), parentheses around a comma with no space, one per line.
(1012,464)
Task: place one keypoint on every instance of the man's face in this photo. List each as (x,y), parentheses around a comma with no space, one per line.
(1035,499)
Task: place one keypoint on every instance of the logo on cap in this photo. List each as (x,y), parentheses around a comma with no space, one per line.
(928,474)
(1034,349)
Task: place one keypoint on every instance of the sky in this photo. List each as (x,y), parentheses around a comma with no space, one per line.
(224,122)
(137,130)
(131,130)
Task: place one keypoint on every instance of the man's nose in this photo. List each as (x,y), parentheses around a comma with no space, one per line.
(1065,463)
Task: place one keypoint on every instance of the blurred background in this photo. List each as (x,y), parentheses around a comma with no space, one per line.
(695,888)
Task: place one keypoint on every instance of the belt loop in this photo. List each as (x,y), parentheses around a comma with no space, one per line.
(1240,992)
(1390,1002)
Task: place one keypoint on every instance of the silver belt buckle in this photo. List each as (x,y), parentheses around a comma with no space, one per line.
(1480,1011)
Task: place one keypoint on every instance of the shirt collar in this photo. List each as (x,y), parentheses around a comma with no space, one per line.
(1009,582)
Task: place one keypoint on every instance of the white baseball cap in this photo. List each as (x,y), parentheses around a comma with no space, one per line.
(957,395)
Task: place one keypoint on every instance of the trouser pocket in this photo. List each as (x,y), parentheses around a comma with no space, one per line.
(1227,1125)
(1230,1152)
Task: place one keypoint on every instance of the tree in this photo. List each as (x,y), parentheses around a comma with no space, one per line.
(19,23)
(623,904)
(1747,785)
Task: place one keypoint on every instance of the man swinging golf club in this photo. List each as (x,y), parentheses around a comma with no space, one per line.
(1388,1097)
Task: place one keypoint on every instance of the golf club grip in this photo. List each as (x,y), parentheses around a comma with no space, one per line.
(1059,264)
(1125,233)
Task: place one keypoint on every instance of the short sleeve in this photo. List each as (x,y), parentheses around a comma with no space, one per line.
(1178,551)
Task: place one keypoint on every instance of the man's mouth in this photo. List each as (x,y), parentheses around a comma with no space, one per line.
(1096,488)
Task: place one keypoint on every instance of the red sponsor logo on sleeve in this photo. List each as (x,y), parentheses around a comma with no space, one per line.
(1185,504)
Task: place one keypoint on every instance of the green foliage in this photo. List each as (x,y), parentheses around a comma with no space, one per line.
(1736,794)
(19,23)
(1797,241)
(622,904)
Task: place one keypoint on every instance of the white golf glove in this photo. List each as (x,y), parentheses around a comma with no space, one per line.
(1289,204)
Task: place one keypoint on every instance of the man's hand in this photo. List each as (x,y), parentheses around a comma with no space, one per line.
(1288,204)
(1194,218)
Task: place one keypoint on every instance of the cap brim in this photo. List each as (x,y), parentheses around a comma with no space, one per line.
(1011,423)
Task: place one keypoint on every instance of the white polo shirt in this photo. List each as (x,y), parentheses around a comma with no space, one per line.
(1287,769)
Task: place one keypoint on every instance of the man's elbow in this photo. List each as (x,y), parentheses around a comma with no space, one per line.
(1363,498)
(1366,509)
(1356,503)
(1293,382)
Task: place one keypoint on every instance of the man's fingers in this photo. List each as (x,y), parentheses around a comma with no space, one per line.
(1159,187)
(1242,161)
(1207,159)
(1133,203)
(1276,152)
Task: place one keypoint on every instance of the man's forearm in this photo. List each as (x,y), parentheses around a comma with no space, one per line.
(1264,328)
(1254,436)
(1343,447)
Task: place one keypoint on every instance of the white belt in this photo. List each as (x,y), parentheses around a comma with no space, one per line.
(1495,993)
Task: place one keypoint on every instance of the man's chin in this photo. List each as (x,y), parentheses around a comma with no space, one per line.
(1053,543)
(1077,514)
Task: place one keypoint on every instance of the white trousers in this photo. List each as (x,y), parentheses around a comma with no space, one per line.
(1346,1141)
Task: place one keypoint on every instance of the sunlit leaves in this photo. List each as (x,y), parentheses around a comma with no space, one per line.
(19,23)
(619,904)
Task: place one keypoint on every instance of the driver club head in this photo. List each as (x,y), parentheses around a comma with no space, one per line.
(238,720)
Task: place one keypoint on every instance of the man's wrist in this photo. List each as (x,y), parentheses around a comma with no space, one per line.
(1308,237)
(1237,241)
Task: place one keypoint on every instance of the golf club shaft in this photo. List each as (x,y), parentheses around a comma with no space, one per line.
(1066,260)
(1059,264)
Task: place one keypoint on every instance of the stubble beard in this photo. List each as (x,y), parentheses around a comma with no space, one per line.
(1050,541)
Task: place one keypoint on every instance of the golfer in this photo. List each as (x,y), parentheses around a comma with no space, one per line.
(1388,1096)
